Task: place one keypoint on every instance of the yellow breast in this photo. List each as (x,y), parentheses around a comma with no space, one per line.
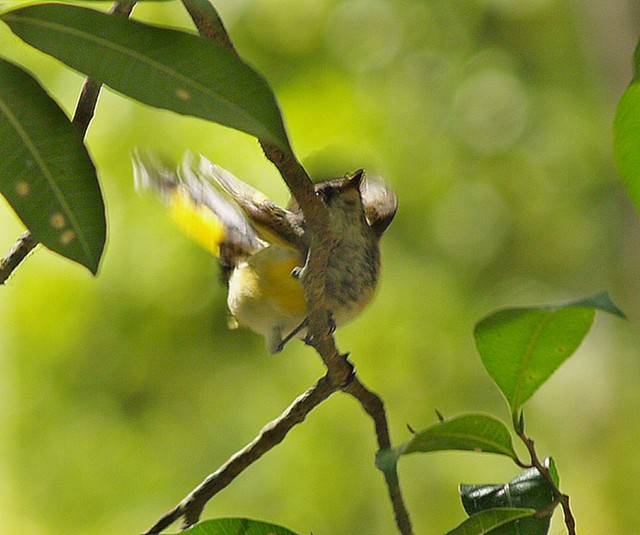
(264,296)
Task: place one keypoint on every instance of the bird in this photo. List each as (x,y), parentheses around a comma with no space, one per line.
(261,247)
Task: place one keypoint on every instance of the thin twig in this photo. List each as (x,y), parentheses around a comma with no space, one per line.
(88,99)
(86,107)
(562,499)
(322,240)
(21,248)
(374,407)
(271,435)
(208,22)
(321,243)
(299,183)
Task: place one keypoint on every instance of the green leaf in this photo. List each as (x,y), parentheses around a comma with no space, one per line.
(626,134)
(16,3)
(553,471)
(46,173)
(236,526)
(522,347)
(601,301)
(488,520)
(157,66)
(468,432)
(529,490)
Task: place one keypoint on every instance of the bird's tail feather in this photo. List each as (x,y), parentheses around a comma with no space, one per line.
(203,212)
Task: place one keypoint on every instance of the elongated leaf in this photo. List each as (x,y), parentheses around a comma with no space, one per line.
(236,526)
(626,134)
(529,490)
(471,432)
(522,347)
(15,3)
(488,520)
(46,173)
(468,432)
(157,66)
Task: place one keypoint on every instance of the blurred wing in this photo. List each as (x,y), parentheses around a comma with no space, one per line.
(273,223)
(204,213)
(380,204)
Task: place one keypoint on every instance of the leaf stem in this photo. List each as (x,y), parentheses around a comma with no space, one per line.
(560,498)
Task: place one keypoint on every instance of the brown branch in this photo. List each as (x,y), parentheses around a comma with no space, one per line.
(87,102)
(21,248)
(321,242)
(374,407)
(88,99)
(321,239)
(208,22)
(271,435)
(560,498)
(340,372)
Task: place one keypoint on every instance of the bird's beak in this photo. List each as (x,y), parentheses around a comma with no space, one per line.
(356,178)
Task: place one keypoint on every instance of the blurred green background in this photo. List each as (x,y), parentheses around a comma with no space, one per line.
(492,120)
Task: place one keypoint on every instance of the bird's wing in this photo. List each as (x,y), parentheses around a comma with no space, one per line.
(380,204)
(273,223)
(204,213)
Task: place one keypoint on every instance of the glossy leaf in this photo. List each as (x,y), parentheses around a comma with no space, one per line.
(489,520)
(468,432)
(236,526)
(529,490)
(626,134)
(158,66)
(46,173)
(522,347)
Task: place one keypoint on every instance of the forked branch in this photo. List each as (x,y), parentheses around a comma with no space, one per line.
(340,373)
(271,435)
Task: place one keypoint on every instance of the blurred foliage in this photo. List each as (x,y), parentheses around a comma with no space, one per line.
(492,120)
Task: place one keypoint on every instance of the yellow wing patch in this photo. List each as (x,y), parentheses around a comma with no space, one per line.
(197,221)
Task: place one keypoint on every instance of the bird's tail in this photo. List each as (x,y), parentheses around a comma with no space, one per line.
(203,212)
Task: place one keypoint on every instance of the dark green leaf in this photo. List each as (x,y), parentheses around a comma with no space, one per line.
(236,526)
(46,173)
(522,347)
(488,520)
(158,66)
(529,490)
